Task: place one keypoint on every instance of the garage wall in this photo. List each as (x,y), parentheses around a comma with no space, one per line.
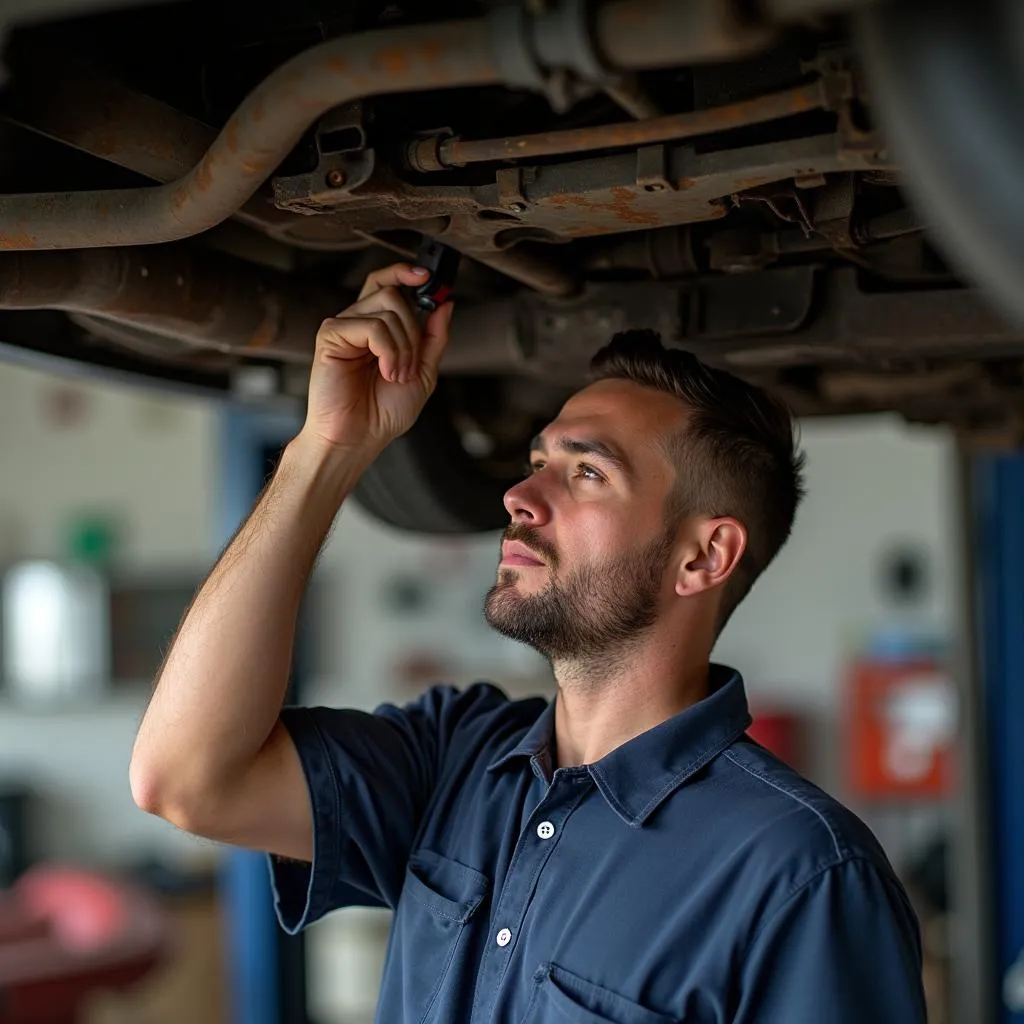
(145,460)
(150,461)
(873,485)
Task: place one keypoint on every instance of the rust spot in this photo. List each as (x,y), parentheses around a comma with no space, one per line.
(338,65)
(432,52)
(269,326)
(259,110)
(231,135)
(17,240)
(394,60)
(204,174)
(180,197)
(620,206)
(250,167)
(742,184)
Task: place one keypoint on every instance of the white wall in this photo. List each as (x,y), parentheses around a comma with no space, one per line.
(871,484)
(145,457)
(147,460)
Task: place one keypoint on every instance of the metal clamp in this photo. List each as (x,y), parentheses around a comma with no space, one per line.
(553,51)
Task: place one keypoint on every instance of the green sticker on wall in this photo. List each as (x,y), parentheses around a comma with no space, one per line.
(92,539)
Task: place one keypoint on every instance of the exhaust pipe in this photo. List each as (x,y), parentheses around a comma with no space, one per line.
(524,51)
(206,299)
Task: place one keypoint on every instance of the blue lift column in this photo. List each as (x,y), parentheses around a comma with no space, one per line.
(998,528)
(267,982)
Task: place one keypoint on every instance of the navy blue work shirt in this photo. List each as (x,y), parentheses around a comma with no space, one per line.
(688,875)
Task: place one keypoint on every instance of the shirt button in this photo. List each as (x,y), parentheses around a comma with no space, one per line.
(504,937)
(545,830)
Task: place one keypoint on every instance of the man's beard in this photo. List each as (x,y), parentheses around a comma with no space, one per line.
(598,611)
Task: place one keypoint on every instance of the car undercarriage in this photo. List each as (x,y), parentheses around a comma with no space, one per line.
(188,190)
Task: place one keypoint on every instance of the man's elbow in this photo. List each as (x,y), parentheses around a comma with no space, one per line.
(156,797)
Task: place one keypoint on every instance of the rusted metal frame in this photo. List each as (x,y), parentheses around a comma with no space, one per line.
(206,299)
(431,154)
(450,213)
(603,195)
(628,33)
(606,194)
(256,138)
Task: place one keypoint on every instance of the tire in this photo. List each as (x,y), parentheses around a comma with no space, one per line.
(945,79)
(425,481)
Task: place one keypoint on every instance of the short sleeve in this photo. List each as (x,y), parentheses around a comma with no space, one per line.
(845,948)
(370,779)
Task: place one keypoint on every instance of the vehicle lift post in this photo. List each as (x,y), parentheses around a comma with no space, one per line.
(990,869)
(266,967)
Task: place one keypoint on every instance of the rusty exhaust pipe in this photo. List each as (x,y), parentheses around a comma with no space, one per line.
(257,137)
(630,34)
(207,299)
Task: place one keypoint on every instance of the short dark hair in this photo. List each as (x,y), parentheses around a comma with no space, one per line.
(736,456)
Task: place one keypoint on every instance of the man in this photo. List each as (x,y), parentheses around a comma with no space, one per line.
(621,854)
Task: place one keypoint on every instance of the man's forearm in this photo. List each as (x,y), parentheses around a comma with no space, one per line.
(222,684)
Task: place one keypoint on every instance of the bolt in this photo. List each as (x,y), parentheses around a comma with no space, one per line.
(517,207)
(655,186)
(335,178)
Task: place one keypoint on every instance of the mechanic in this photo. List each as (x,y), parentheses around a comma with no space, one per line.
(622,853)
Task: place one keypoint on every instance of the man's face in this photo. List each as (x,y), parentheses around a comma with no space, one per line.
(586,563)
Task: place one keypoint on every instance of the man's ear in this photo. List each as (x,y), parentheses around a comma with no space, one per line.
(711,556)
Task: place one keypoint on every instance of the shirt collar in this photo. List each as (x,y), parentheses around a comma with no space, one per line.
(638,776)
(535,744)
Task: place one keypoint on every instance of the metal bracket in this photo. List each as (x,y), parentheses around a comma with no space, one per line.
(318,191)
(344,163)
(652,169)
(343,129)
(510,188)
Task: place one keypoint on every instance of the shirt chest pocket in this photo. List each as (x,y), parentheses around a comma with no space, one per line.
(561,997)
(438,899)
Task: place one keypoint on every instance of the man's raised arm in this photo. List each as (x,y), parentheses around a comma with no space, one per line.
(211,755)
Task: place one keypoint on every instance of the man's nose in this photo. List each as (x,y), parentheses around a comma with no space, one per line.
(525,503)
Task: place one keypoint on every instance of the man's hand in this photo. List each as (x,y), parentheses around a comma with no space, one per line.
(374,368)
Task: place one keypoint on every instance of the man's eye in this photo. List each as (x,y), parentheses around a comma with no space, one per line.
(532,467)
(588,472)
